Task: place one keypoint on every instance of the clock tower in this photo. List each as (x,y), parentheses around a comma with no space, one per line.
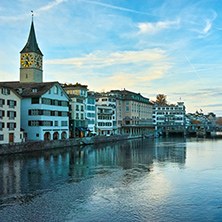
(31,60)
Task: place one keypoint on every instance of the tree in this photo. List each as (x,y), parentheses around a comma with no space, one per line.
(196,121)
(161,99)
(219,121)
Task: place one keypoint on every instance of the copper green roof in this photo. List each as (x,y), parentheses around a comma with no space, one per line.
(31,45)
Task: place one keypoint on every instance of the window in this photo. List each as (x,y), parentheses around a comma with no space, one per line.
(64,123)
(82,108)
(56,123)
(1,137)
(127,109)
(77,116)
(35,100)
(11,126)
(34,123)
(82,116)
(2,114)
(11,114)
(79,100)
(46,101)
(2,102)
(37,134)
(50,91)
(46,123)
(64,103)
(77,107)
(5,91)
(11,103)
(2,125)
(56,90)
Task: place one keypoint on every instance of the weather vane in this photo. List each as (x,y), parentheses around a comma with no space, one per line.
(32,13)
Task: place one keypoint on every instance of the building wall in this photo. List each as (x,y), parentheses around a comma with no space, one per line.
(78,95)
(7,120)
(169,115)
(59,124)
(91,113)
(104,120)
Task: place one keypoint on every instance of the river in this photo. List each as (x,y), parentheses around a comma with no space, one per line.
(163,179)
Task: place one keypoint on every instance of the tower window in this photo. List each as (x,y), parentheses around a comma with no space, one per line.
(26,76)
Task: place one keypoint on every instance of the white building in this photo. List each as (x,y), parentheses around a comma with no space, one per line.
(44,110)
(169,118)
(10,127)
(105,115)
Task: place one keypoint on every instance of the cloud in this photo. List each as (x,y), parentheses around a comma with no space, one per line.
(213,105)
(206,31)
(153,28)
(100,59)
(115,7)
(51,5)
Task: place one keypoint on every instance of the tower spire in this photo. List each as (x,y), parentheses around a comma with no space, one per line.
(31,45)
(32,15)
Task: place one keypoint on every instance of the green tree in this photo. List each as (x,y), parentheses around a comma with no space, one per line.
(161,99)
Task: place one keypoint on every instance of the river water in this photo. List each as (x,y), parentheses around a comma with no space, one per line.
(164,179)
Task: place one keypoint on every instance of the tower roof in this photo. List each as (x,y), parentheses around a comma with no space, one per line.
(31,45)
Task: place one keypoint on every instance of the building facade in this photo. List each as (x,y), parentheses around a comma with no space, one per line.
(44,110)
(133,111)
(78,95)
(10,121)
(91,111)
(170,118)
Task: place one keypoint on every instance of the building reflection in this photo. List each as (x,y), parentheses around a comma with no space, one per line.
(33,173)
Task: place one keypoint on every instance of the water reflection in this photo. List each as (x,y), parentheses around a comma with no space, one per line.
(24,176)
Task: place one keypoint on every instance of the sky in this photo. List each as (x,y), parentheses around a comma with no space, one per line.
(171,47)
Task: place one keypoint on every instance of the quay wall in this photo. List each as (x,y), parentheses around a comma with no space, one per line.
(32,146)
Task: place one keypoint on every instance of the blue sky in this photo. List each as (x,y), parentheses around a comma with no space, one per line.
(173,47)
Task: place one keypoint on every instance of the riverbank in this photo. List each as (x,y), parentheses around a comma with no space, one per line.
(32,146)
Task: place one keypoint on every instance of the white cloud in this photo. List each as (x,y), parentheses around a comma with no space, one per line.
(100,59)
(51,5)
(115,7)
(152,28)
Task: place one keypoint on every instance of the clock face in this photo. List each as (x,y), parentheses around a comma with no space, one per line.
(38,62)
(27,60)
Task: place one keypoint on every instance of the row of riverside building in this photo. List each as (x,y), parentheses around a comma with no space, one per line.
(33,110)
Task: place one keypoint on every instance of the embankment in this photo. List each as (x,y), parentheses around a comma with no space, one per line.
(32,146)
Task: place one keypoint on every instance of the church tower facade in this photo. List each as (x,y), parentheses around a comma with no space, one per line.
(31,60)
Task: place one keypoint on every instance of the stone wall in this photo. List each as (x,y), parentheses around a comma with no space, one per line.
(53,144)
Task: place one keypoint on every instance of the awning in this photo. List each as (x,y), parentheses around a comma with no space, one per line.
(83,129)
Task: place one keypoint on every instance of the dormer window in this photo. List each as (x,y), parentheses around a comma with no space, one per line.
(34,90)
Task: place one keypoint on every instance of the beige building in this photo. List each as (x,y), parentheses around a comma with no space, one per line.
(10,119)
(133,112)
